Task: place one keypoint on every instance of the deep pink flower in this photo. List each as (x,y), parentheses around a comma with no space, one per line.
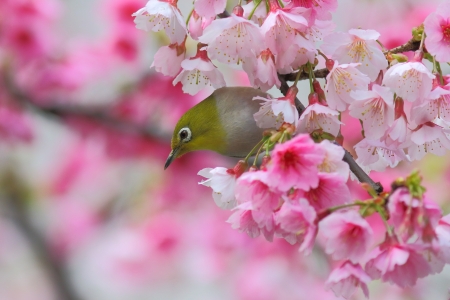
(347,234)
(437,29)
(294,164)
(375,108)
(345,279)
(297,221)
(331,190)
(357,46)
(411,216)
(398,264)
(14,125)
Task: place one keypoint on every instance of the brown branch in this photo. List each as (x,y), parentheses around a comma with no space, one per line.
(411,45)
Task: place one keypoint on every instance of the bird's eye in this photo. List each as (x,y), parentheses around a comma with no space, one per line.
(185,135)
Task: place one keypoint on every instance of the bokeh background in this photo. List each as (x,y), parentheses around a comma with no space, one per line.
(86,210)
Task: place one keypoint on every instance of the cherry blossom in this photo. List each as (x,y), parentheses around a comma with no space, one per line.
(232,39)
(347,234)
(274,112)
(209,8)
(162,15)
(428,138)
(443,235)
(398,264)
(300,52)
(243,220)
(197,24)
(342,80)
(376,155)
(375,108)
(333,162)
(199,72)
(398,133)
(436,105)
(345,279)
(411,81)
(437,29)
(261,71)
(319,117)
(321,8)
(294,164)
(297,222)
(168,59)
(223,183)
(259,14)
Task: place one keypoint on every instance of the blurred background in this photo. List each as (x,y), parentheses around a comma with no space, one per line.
(86,210)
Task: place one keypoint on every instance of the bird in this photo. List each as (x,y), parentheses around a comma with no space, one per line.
(223,123)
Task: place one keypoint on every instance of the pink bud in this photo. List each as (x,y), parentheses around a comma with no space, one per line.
(238,11)
(329,63)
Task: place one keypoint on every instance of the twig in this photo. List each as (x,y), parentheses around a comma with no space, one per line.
(411,45)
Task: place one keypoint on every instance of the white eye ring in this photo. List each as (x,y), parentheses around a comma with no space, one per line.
(185,134)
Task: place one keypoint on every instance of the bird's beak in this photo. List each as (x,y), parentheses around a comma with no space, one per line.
(172,156)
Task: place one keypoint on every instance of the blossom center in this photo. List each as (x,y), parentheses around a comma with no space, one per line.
(446,32)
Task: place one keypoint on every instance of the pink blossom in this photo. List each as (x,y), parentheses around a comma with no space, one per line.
(297,222)
(282,25)
(412,216)
(300,52)
(375,108)
(319,117)
(295,163)
(409,80)
(428,138)
(443,235)
(168,59)
(223,183)
(243,220)
(232,39)
(162,15)
(209,8)
(436,105)
(261,71)
(321,9)
(14,125)
(376,155)
(274,112)
(252,187)
(346,278)
(398,264)
(341,81)
(398,133)
(197,24)
(347,235)
(331,190)
(357,46)
(199,72)
(437,30)
(333,162)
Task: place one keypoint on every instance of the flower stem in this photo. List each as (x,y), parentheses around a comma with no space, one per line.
(189,16)
(383,217)
(321,54)
(338,207)
(260,143)
(311,78)
(382,46)
(422,42)
(254,9)
(437,68)
(257,154)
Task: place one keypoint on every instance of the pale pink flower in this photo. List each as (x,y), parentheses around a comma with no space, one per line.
(274,112)
(357,46)
(162,15)
(398,264)
(341,81)
(411,81)
(443,234)
(209,8)
(319,117)
(197,24)
(437,30)
(436,105)
(252,187)
(321,9)
(428,138)
(261,71)
(282,25)
(259,14)
(345,279)
(376,155)
(347,235)
(294,164)
(398,133)
(297,222)
(223,183)
(298,53)
(168,59)
(411,216)
(333,162)
(243,220)
(331,190)
(232,39)
(199,72)
(375,108)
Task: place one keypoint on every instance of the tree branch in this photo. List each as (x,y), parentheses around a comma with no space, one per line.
(411,45)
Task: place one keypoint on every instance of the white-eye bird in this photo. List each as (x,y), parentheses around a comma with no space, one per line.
(223,123)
